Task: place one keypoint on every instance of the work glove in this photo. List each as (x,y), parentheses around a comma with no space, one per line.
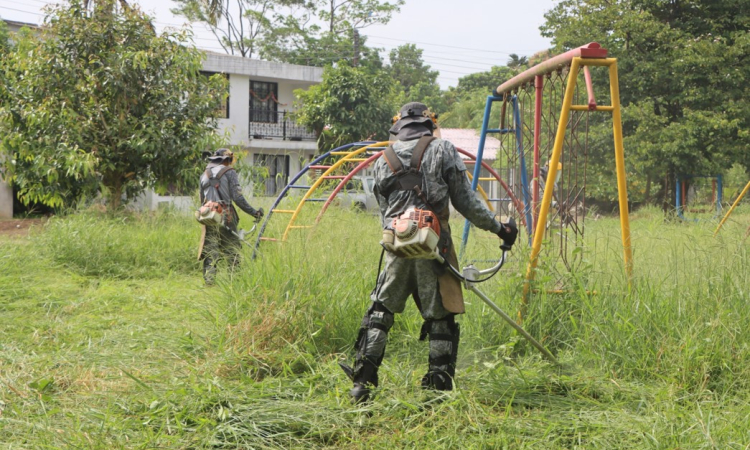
(508,233)
(258,214)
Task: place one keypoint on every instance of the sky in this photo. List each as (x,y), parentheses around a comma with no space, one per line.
(457,37)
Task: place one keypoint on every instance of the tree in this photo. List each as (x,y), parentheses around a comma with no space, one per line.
(322,51)
(466,111)
(408,68)
(100,101)
(517,63)
(343,15)
(284,30)
(486,81)
(683,79)
(349,105)
(240,26)
(4,38)
(465,103)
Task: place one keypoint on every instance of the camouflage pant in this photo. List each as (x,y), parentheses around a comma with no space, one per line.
(219,243)
(417,277)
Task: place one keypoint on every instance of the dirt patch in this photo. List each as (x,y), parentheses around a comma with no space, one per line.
(18,227)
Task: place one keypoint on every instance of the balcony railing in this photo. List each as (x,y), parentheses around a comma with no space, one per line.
(276,124)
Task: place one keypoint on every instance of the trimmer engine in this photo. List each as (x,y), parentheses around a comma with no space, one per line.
(413,235)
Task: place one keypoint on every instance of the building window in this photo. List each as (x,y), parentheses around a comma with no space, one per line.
(277,174)
(264,101)
(223,111)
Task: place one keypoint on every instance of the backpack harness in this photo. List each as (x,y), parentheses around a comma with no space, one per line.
(411,178)
(416,233)
(215,210)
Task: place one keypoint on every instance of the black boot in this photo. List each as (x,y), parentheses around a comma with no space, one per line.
(364,380)
(437,380)
(444,337)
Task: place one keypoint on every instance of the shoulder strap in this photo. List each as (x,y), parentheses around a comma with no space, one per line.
(215,184)
(209,174)
(418,153)
(392,160)
(416,156)
(223,171)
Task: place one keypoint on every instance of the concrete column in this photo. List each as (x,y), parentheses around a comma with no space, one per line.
(6,196)
(6,201)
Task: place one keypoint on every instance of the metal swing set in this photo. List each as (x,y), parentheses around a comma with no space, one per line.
(544,137)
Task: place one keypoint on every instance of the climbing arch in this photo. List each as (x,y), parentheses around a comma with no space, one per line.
(337,167)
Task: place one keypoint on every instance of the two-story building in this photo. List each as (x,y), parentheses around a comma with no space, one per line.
(257,118)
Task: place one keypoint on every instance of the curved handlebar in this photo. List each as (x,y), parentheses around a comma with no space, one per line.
(490,271)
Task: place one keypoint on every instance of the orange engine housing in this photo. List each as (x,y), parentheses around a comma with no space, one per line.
(423,218)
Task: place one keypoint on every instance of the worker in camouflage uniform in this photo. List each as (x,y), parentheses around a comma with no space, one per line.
(220,183)
(436,292)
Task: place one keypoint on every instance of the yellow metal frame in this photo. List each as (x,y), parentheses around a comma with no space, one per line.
(734,205)
(575,66)
(347,157)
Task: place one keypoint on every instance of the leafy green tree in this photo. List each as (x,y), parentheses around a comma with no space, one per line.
(467,111)
(486,81)
(465,103)
(329,48)
(289,30)
(240,26)
(684,79)
(349,105)
(4,37)
(99,101)
(517,63)
(409,69)
(416,80)
(343,15)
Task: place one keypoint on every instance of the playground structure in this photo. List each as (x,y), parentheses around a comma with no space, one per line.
(731,209)
(544,138)
(329,173)
(689,190)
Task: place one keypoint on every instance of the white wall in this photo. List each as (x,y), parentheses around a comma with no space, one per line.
(6,200)
(239,104)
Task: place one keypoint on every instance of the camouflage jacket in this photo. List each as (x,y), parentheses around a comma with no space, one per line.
(230,190)
(444,181)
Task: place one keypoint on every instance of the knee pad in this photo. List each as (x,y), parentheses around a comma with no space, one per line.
(371,341)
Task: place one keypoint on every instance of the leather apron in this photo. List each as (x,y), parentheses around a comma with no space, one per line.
(450,287)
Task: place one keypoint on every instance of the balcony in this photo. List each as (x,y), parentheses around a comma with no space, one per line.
(266,124)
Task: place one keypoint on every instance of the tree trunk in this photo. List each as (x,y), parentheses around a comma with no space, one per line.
(647,199)
(333,10)
(667,203)
(114,185)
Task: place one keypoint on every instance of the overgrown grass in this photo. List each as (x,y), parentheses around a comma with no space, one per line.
(122,246)
(110,340)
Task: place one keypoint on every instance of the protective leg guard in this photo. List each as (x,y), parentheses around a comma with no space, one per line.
(444,337)
(209,270)
(370,346)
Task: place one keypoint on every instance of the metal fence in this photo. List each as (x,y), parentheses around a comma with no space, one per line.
(276,124)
